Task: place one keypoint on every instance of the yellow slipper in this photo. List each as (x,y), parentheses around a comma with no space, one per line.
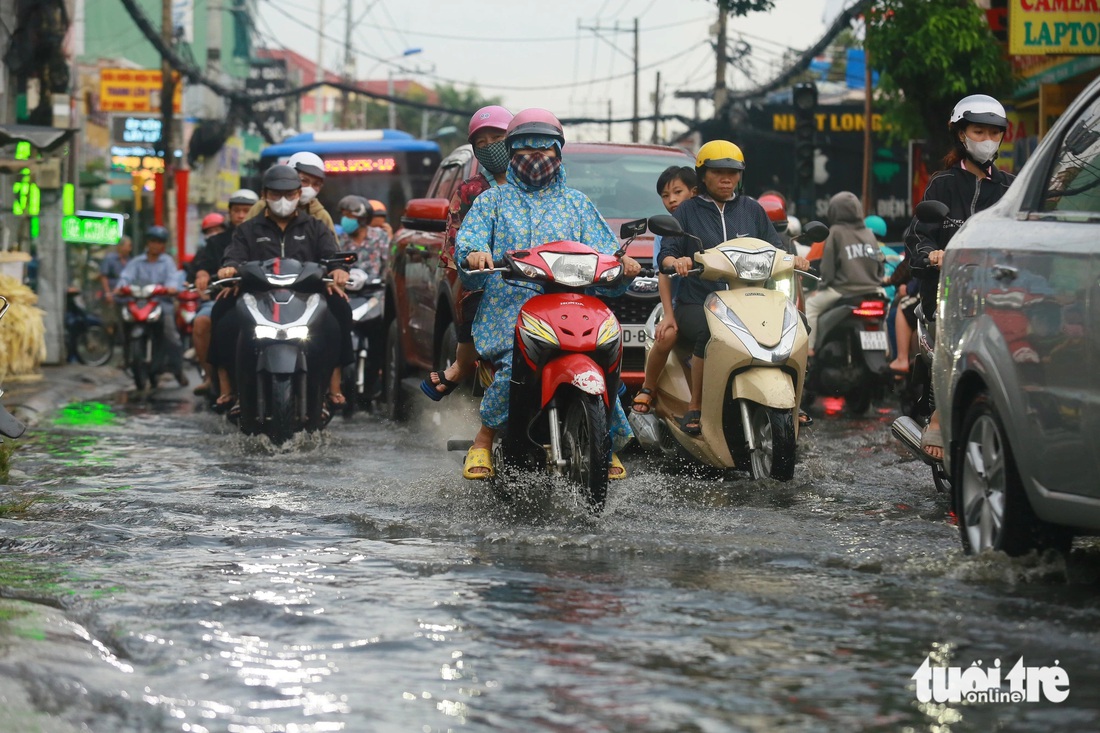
(478,458)
(617,470)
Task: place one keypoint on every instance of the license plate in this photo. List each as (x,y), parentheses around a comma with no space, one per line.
(633,334)
(872,340)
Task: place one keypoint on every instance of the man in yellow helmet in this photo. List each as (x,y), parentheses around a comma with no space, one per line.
(719,213)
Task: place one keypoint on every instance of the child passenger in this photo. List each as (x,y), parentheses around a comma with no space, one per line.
(676,184)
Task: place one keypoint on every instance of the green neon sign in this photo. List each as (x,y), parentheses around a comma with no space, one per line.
(27,199)
(92,227)
(23,150)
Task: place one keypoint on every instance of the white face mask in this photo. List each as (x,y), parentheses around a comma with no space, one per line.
(983,151)
(308,194)
(283,208)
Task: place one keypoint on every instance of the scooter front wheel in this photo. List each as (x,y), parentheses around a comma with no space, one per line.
(774,444)
(586,446)
(94,346)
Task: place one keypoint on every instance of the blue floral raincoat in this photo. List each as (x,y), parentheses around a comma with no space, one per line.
(517,217)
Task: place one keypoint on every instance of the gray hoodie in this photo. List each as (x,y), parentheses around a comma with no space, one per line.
(852,262)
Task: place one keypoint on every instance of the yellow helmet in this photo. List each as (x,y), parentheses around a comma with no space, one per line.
(720,154)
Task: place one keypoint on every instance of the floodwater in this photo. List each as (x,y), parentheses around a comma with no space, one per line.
(171,575)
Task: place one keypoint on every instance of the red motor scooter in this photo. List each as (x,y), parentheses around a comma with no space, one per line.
(141,319)
(566,359)
(188,302)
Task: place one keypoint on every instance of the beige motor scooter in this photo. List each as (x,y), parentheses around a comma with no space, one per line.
(755,363)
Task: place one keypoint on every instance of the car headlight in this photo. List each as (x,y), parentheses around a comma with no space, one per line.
(609,331)
(572,270)
(751,266)
(612,274)
(538,329)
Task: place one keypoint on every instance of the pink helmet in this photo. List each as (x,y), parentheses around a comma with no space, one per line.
(212,220)
(535,121)
(493,117)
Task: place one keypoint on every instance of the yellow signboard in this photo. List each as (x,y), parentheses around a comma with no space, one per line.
(134,90)
(1053,27)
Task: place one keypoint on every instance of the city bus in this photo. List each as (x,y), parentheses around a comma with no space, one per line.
(388,165)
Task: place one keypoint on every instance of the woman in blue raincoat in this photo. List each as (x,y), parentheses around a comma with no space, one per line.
(537,207)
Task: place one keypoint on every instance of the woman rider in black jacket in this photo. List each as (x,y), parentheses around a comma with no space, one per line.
(968,183)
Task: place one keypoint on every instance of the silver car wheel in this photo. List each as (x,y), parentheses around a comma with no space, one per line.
(984,485)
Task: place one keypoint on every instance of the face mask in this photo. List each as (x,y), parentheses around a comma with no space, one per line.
(308,194)
(348,224)
(493,157)
(982,152)
(536,170)
(283,208)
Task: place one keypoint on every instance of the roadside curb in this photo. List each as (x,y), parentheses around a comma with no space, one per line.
(31,401)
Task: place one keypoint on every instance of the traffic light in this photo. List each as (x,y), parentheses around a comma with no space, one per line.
(804,97)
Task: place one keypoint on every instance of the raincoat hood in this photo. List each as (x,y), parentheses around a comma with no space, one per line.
(845,207)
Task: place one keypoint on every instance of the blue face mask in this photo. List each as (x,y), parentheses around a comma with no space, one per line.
(349,225)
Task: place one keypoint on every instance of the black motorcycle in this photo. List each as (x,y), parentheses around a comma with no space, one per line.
(918,401)
(9,426)
(86,337)
(280,386)
(849,352)
(367,298)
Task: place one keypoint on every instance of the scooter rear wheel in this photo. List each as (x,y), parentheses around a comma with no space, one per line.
(586,446)
(773,436)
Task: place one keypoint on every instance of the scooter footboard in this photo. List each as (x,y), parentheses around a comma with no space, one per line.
(577,370)
(768,387)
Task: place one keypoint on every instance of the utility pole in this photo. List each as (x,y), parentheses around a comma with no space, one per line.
(868,91)
(635,132)
(348,68)
(656,110)
(634,126)
(721,94)
(696,97)
(167,95)
(319,96)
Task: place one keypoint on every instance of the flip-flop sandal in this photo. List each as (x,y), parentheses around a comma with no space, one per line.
(643,401)
(332,404)
(478,458)
(616,470)
(804,418)
(224,403)
(690,422)
(428,386)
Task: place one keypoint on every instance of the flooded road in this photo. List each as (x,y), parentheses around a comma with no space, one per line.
(162,573)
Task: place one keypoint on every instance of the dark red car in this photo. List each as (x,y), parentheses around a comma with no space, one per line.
(621,180)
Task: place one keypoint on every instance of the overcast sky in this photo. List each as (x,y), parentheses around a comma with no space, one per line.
(544,53)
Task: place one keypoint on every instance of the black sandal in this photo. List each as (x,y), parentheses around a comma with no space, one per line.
(646,404)
(428,386)
(225,405)
(690,422)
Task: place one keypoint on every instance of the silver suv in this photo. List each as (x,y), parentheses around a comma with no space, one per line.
(1017,362)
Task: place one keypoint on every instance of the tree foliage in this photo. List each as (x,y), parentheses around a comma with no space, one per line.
(744,7)
(929,54)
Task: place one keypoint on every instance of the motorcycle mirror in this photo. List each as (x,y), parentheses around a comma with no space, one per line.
(632,229)
(665,225)
(931,212)
(814,231)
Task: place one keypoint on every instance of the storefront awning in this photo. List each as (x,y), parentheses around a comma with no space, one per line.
(42,138)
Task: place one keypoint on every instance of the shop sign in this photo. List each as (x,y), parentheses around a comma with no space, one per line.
(1053,27)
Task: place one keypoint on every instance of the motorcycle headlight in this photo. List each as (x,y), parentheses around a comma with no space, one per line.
(294,333)
(572,270)
(611,274)
(528,270)
(298,333)
(538,329)
(609,331)
(751,266)
(267,332)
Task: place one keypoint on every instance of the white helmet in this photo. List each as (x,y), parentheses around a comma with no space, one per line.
(356,280)
(980,109)
(309,163)
(243,196)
